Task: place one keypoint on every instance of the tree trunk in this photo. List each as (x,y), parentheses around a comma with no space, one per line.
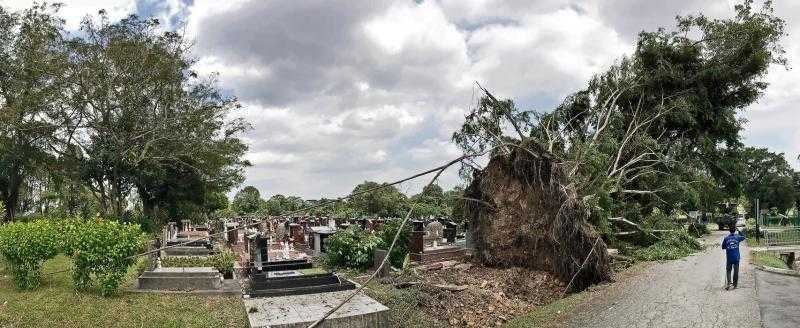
(11,199)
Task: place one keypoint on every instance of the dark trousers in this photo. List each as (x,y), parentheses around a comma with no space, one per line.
(735,267)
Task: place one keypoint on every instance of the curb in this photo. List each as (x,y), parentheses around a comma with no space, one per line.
(777,270)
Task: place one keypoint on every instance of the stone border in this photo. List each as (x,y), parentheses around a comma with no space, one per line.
(229,287)
(786,272)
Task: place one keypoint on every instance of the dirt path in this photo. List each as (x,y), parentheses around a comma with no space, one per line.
(683,293)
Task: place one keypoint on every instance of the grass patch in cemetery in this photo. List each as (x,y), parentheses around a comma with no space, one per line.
(311,271)
(768,259)
(55,303)
(545,314)
(404,305)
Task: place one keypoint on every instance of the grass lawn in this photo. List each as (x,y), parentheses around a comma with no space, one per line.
(56,304)
(768,259)
(544,315)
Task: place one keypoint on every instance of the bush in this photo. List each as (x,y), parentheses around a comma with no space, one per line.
(351,248)
(697,229)
(673,246)
(386,235)
(25,246)
(222,261)
(103,249)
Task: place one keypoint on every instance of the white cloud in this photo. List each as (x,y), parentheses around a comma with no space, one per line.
(339,92)
(74,11)
(547,54)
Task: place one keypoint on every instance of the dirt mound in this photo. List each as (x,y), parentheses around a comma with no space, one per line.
(526,214)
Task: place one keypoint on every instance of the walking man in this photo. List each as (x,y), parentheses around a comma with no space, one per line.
(731,246)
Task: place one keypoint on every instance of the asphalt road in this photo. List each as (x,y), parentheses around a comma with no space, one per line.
(779,299)
(684,293)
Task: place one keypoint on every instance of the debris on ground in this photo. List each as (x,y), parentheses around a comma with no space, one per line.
(461,294)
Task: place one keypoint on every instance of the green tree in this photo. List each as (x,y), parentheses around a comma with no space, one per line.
(386,202)
(770,179)
(32,69)
(430,202)
(454,199)
(151,124)
(247,201)
(280,204)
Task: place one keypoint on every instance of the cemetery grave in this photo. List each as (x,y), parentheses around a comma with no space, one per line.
(284,290)
(188,265)
(435,241)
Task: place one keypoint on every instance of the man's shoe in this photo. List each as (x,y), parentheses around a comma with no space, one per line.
(727,287)
(734,286)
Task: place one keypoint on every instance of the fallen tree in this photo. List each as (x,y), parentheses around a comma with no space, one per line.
(653,134)
(530,216)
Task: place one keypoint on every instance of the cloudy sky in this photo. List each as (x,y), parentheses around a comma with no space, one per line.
(339,92)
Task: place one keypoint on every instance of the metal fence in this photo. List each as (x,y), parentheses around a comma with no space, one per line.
(781,235)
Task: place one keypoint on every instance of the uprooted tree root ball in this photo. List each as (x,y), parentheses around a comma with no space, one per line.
(522,212)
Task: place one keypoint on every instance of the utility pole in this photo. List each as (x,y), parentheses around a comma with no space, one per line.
(758,218)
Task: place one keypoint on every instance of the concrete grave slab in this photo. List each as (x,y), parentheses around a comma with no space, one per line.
(286,273)
(301,310)
(181,279)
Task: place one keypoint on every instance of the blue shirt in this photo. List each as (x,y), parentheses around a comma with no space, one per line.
(731,246)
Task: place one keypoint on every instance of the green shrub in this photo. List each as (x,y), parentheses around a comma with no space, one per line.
(672,246)
(351,248)
(103,249)
(697,229)
(25,246)
(222,261)
(386,235)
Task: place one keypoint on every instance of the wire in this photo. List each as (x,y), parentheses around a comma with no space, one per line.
(388,252)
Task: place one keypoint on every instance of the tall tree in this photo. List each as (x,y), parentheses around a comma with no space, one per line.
(151,125)
(280,204)
(387,202)
(430,202)
(770,179)
(32,64)
(247,201)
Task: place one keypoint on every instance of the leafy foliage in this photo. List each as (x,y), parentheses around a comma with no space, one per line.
(770,179)
(94,118)
(351,248)
(697,229)
(280,204)
(386,236)
(659,128)
(387,202)
(673,246)
(247,200)
(103,249)
(26,246)
(32,62)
